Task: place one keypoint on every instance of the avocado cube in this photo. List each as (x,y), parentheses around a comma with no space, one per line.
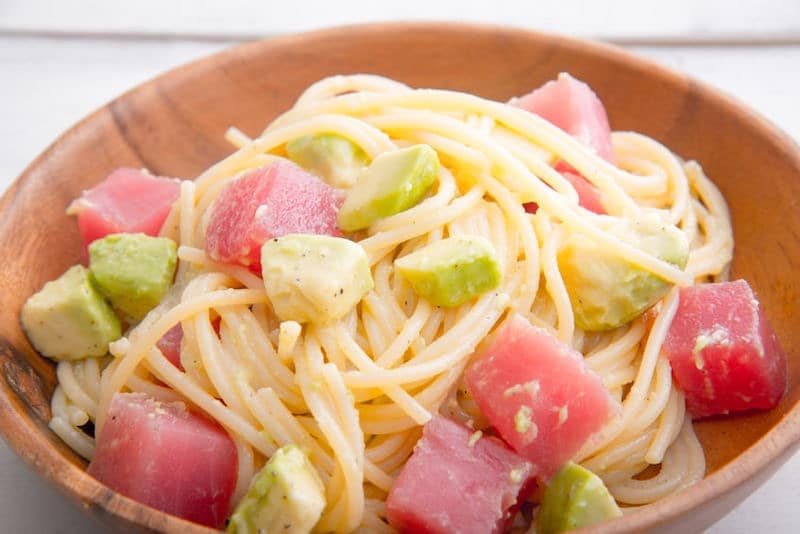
(287,495)
(335,159)
(574,498)
(133,271)
(607,291)
(314,278)
(394,182)
(68,318)
(453,270)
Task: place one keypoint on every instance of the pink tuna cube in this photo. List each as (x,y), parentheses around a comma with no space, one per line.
(269,202)
(170,345)
(588,195)
(725,356)
(457,481)
(128,201)
(167,457)
(539,395)
(571,105)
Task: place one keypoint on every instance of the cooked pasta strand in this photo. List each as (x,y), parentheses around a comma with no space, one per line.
(354,392)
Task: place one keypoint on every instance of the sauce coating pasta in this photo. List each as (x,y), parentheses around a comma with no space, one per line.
(353,393)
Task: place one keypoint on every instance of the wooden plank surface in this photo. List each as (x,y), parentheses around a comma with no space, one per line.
(57,81)
(610,19)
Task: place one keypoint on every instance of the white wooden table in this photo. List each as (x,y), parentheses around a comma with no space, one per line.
(61,60)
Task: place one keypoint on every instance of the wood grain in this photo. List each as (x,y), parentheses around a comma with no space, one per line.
(174,125)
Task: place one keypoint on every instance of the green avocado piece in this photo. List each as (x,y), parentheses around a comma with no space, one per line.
(314,278)
(68,318)
(574,498)
(453,270)
(286,496)
(607,291)
(394,182)
(335,159)
(133,271)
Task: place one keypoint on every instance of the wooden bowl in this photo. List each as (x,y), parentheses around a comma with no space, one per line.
(174,125)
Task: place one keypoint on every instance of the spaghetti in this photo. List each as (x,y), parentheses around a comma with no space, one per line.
(355,393)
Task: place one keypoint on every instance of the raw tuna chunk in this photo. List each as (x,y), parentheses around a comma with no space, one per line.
(588,195)
(538,394)
(269,202)
(127,201)
(170,345)
(170,342)
(168,458)
(571,105)
(457,482)
(725,356)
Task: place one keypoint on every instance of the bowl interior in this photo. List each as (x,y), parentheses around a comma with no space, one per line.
(174,126)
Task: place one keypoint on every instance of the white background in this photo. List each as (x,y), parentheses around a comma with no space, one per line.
(59,60)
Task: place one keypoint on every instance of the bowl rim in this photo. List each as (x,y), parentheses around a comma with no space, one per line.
(17,427)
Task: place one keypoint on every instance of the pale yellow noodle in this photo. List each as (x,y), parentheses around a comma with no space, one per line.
(354,393)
